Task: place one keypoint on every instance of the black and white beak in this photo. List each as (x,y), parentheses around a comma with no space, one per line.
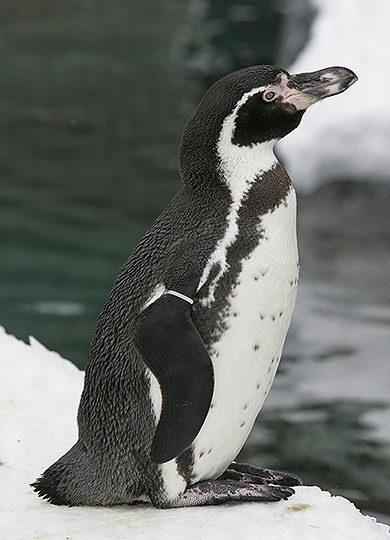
(308,88)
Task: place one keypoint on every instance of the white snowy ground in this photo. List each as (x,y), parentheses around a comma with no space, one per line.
(346,136)
(39,393)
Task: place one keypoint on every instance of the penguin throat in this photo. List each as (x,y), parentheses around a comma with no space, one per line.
(240,166)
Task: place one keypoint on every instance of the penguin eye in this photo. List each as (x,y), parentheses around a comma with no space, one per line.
(269,96)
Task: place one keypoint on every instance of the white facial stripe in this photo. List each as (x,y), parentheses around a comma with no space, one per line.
(281,89)
(240,166)
(245,98)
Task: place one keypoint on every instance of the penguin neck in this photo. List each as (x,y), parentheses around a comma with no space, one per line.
(207,159)
(198,158)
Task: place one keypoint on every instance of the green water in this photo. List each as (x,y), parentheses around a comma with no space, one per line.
(91,109)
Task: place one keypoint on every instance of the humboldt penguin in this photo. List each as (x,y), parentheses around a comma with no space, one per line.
(189,340)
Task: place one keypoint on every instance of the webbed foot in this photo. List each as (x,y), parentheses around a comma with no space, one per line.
(219,491)
(244,472)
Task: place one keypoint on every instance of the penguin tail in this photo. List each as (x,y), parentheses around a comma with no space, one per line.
(46,488)
(64,483)
(81,479)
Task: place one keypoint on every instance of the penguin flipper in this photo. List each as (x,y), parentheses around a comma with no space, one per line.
(170,345)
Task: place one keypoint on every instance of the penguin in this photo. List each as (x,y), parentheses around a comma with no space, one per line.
(189,340)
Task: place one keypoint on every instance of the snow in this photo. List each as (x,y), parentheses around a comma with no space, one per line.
(39,397)
(346,136)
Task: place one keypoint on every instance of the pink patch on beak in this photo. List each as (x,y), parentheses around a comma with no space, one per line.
(291,96)
(300,101)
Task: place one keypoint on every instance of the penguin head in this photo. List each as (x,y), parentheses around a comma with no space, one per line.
(255,105)
(273,103)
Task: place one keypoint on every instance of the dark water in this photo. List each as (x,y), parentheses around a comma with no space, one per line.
(93,99)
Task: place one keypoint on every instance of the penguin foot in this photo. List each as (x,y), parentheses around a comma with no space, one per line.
(244,472)
(219,491)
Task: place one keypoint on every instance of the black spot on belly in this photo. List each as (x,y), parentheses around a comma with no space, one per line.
(273,317)
(257,386)
(210,450)
(245,406)
(261,316)
(201,454)
(281,313)
(255,347)
(243,424)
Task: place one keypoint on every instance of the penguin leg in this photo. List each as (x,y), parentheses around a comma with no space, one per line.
(218,491)
(257,475)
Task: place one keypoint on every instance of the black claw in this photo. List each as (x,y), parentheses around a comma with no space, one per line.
(284,492)
(291,480)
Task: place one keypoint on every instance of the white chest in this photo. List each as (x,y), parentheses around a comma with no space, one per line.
(246,357)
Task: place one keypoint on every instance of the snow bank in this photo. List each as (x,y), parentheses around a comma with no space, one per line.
(39,395)
(346,136)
